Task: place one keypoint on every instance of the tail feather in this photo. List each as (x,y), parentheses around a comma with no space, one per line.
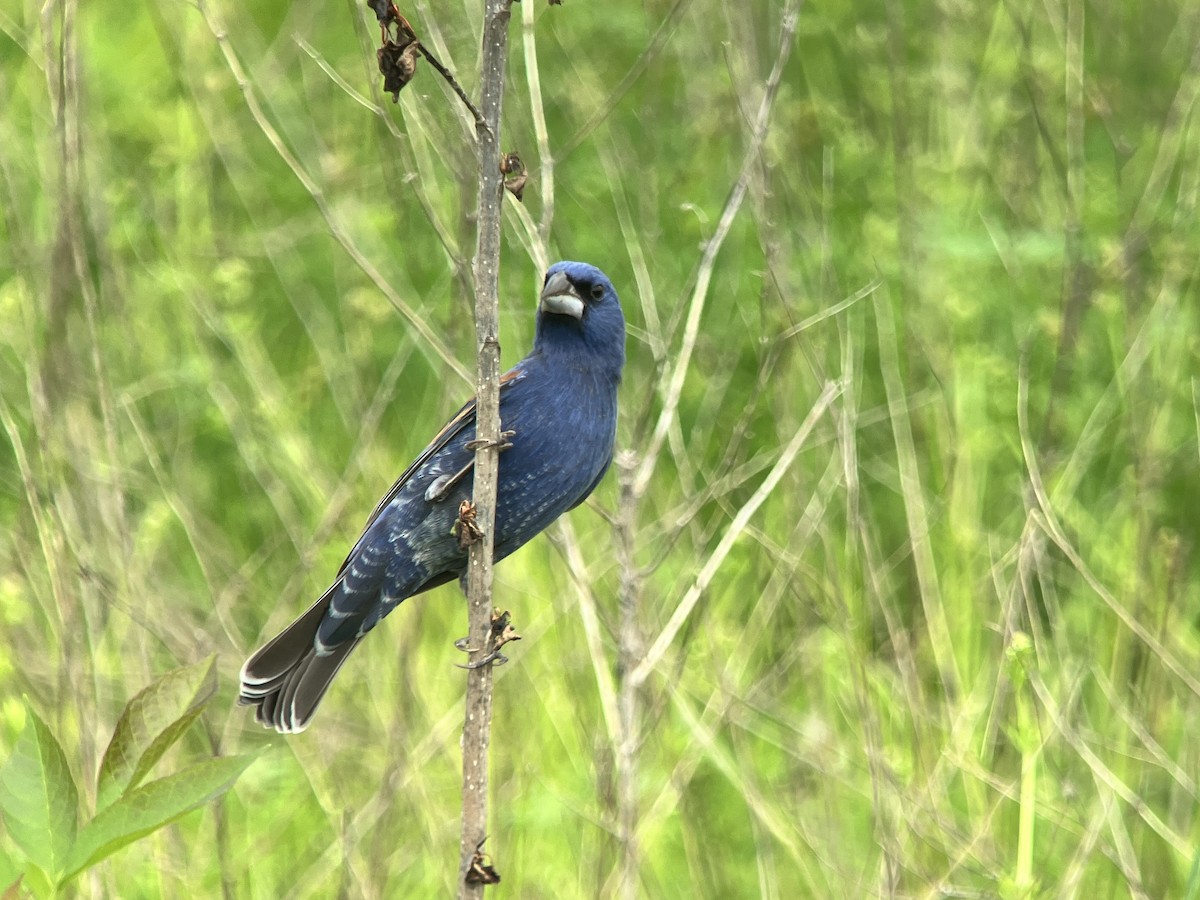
(286,679)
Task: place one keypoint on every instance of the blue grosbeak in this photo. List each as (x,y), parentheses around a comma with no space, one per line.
(560,402)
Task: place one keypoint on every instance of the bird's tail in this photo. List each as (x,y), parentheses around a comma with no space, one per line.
(286,678)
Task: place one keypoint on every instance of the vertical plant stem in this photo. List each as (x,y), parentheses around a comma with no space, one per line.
(629,644)
(477,724)
(1028,816)
(1021,655)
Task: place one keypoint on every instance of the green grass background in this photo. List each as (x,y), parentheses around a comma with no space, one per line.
(953,653)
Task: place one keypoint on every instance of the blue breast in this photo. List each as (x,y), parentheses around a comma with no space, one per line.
(564,421)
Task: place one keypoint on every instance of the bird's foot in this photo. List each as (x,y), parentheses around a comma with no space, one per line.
(439,488)
(479,443)
(502,632)
(494,658)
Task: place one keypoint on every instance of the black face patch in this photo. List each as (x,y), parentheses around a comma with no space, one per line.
(589,291)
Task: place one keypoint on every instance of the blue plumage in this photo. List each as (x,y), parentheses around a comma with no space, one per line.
(560,402)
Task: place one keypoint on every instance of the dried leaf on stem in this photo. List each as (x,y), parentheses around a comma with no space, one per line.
(397,56)
(481,870)
(513,171)
(466,527)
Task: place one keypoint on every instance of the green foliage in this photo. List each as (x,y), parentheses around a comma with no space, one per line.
(38,797)
(144,810)
(40,803)
(151,722)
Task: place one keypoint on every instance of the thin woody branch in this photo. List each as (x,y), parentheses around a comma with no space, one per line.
(480,123)
(398,57)
(477,724)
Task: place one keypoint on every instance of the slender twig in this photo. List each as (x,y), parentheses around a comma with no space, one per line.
(674,385)
(537,111)
(481,124)
(1047,519)
(581,582)
(389,14)
(477,724)
(629,651)
(431,343)
(1104,776)
(662,35)
(915,507)
(659,648)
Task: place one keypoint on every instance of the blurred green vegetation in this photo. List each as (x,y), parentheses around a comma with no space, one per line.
(957,649)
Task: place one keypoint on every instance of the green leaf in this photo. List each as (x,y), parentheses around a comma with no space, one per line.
(38,796)
(150,723)
(146,809)
(9,872)
(33,882)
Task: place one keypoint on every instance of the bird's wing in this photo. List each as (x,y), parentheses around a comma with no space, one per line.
(463,419)
(595,482)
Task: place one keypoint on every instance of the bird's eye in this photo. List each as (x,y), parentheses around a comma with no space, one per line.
(597,291)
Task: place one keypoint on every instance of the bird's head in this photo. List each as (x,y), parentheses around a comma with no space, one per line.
(578,310)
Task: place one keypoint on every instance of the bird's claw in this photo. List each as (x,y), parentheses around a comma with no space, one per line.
(493,658)
(502,444)
(502,632)
(439,488)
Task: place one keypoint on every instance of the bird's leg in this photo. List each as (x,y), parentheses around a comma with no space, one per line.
(502,632)
(464,643)
(439,488)
(479,443)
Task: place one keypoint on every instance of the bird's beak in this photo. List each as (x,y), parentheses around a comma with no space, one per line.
(560,297)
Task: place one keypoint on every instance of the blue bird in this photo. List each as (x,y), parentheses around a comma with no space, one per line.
(560,402)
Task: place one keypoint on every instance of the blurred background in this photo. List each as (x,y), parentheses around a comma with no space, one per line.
(901,595)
